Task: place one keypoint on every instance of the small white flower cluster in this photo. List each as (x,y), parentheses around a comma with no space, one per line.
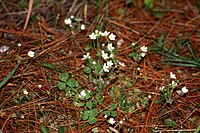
(96,33)
(68,21)
(87,56)
(107,53)
(144,51)
(107,66)
(174,84)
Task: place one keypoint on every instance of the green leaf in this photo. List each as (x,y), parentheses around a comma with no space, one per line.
(170,122)
(63,77)
(92,120)
(97,96)
(148,3)
(61,85)
(114,113)
(47,65)
(85,115)
(106,112)
(87,70)
(197,130)
(9,76)
(88,47)
(93,112)
(121,11)
(97,67)
(81,104)
(158,101)
(133,54)
(113,106)
(68,89)
(71,82)
(43,129)
(157,12)
(89,105)
(60,129)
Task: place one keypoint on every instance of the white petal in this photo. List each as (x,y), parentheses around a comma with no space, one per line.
(4,49)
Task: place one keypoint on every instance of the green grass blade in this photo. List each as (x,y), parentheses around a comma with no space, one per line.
(193,55)
(197,130)
(9,76)
(180,64)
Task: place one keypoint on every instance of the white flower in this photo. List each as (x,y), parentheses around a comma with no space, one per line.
(121,122)
(179,92)
(162,88)
(172,75)
(40,86)
(133,44)
(68,21)
(112,37)
(19,44)
(105,68)
(96,32)
(72,16)
(138,68)
(143,49)
(83,94)
(86,56)
(94,62)
(149,96)
(184,90)
(120,42)
(105,116)
(122,64)
(103,44)
(142,54)
(4,48)
(110,47)
(25,92)
(111,121)
(82,27)
(22,116)
(93,36)
(138,105)
(31,54)
(173,84)
(105,33)
(109,63)
(104,55)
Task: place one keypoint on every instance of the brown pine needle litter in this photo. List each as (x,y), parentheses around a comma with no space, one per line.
(99,66)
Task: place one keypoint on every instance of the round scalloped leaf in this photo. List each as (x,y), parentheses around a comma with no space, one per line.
(87,70)
(71,82)
(92,120)
(61,85)
(93,112)
(63,77)
(85,115)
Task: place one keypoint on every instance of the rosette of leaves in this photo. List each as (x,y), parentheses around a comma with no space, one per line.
(66,83)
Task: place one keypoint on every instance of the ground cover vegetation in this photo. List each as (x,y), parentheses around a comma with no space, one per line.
(99,66)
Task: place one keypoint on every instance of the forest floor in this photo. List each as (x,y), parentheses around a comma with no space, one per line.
(60,71)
